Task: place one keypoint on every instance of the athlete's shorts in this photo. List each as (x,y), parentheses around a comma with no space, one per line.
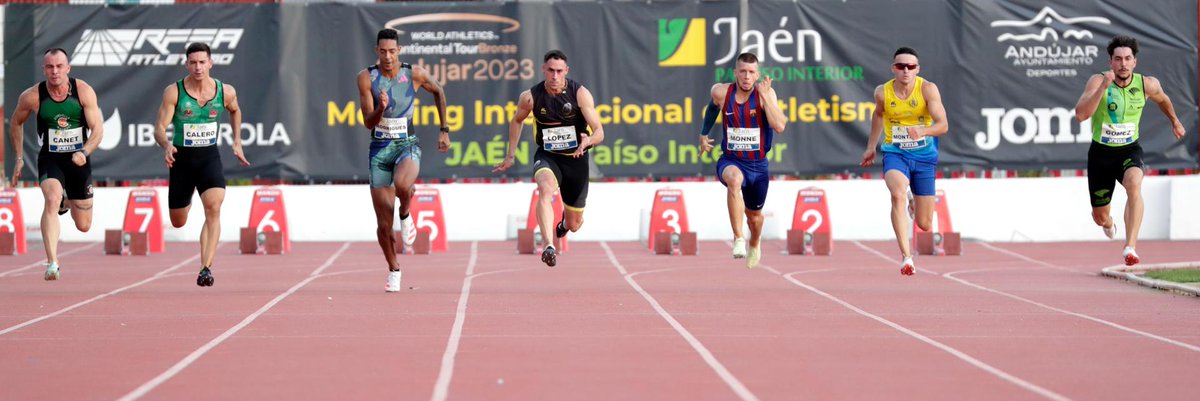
(571,174)
(920,174)
(76,180)
(1106,166)
(386,155)
(195,169)
(755,179)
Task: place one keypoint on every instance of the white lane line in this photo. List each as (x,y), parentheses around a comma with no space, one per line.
(441,388)
(156,276)
(1114,325)
(948,349)
(199,352)
(733,383)
(43,261)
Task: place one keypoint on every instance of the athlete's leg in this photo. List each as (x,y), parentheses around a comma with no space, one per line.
(384,201)
(405,179)
(81,212)
(52,191)
(733,178)
(1133,206)
(210,234)
(897,184)
(547,186)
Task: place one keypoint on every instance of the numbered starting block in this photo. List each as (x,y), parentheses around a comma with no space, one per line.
(261,242)
(812,229)
(12,224)
(671,243)
(119,242)
(267,231)
(142,231)
(530,238)
(942,239)
(669,233)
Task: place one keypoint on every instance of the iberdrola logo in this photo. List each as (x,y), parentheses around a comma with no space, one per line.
(681,42)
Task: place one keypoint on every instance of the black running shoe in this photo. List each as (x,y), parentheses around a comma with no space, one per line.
(560,230)
(62,207)
(549,256)
(205,279)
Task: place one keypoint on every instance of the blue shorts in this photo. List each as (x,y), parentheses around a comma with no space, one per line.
(920,174)
(755,179)
(386,155)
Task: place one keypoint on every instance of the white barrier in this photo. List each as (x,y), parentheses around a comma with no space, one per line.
(1015,209)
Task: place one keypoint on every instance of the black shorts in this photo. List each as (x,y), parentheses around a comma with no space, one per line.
(571,173)
(196,169)
(1106,166)
(76,180)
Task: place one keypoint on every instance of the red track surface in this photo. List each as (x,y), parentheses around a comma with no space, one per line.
(1002,322)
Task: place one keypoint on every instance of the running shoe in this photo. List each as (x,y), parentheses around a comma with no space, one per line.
(393,281)
(408,231)
(51,272)
(739,248)
(1131,257)
(205,279)
(753,256)
(908,268)
(549,256)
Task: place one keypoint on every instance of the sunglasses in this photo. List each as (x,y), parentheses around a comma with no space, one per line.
(904,66)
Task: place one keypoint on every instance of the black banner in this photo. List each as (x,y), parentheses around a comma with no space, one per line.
(1009,72)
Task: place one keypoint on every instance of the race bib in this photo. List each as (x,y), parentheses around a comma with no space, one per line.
(392,128)
(66,140)
(559,138)
(743,139)
(901,139)
(1117,133)
(197,135)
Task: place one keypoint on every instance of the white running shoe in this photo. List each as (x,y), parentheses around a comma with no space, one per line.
(1110,231)
(739,248)
(908,267)
(51,272)
(408,231)
(753,256)
(1131,257)
(393,284)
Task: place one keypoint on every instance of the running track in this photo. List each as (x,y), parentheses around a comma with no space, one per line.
(612,321)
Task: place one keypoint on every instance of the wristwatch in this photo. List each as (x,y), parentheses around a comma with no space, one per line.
(445,129)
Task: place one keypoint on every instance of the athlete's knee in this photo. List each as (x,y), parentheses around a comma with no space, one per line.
(178,222)
(899,196)
(925,223)
(1100,216)
(83,225)
(574,223)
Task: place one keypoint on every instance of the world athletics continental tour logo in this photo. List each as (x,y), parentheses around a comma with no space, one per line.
(681,42)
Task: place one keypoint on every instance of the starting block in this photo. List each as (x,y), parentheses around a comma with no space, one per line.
(266,232)
(118,242)
(942,239)
(800,242)
(8,243)
(143,217)
(671,243)
(669,234)
(530,238)
(812,229)
(12,224)
(265,242)
(530,241)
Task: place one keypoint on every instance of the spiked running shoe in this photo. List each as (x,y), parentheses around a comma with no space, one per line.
(205,279)
(51,272)
(393,281)
(739,248)
(908,268)
(1131,257)
(549,256)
